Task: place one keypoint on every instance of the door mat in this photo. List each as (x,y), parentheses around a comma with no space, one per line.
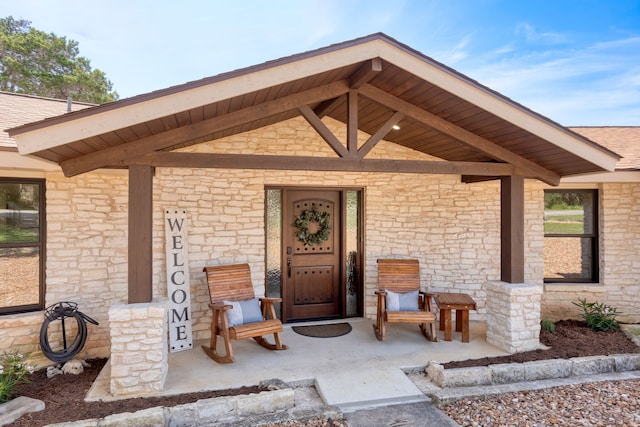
(323,331)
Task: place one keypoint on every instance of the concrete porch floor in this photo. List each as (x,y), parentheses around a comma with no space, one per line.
(341,367)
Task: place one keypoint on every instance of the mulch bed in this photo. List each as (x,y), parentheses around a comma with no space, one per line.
(572,338)
(63,396)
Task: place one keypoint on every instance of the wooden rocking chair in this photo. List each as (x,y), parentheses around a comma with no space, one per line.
(230,287)
(399,283)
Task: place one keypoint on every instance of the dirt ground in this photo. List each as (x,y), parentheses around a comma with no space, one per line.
(64,394)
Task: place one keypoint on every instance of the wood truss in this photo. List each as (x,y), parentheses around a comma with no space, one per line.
(155,150)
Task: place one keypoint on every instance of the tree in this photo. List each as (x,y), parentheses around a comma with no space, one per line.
(36,63)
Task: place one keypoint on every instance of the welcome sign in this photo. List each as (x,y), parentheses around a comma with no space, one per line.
(177,250)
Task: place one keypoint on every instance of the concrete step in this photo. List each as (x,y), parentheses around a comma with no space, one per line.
(358,388)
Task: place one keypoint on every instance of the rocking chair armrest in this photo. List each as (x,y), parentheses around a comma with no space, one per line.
(381,292)
(270,300)
(220,306)
(427,299)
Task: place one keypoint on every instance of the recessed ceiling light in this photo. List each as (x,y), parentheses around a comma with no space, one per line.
(396,127)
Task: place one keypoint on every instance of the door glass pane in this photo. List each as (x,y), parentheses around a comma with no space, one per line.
(19,216)
(274,245)
(352,264)
(19,275)
(568,258)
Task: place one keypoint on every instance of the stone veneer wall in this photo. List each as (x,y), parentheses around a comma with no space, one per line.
(139,350)
(513,316)
(451,227)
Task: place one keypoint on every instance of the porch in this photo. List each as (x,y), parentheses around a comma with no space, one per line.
(347,370)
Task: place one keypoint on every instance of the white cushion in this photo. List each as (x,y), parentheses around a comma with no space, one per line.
(402,302)
(247,311)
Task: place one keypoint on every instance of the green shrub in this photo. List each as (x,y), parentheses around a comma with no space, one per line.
(548,326)
(13,371)
(598,316)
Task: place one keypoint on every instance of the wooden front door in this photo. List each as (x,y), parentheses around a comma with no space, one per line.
(311,252)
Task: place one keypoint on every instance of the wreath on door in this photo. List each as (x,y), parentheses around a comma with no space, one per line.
(306,218)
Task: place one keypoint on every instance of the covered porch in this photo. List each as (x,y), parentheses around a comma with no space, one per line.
(333,117)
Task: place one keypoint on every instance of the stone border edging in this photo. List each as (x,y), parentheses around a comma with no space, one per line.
(213,410)
(507,373)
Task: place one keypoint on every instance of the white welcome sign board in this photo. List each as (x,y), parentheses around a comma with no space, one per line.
(177,250)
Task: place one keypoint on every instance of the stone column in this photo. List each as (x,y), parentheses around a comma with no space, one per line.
(513,315)
(139,348)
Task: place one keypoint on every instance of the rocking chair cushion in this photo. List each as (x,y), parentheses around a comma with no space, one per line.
(402,302)
(247,311)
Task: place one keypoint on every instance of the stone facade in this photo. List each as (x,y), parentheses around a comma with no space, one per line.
(452,228)
(139,348)
(513,316)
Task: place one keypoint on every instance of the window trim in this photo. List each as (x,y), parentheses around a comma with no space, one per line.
(41,245)
(594,236)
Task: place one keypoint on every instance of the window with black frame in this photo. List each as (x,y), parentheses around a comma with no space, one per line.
(571,236)
(21,245)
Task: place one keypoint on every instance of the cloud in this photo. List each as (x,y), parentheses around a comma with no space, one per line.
(598,84)
(532,34)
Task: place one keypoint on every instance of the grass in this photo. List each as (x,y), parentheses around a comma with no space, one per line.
(563,227)
(11,234)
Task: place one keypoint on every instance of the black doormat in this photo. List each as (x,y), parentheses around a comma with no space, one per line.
(323,331)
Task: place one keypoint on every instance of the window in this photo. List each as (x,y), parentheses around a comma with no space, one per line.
(21,245)
(570,236)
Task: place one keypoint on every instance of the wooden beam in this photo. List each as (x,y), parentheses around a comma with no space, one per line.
(248,161)
(325,106)
(512,229)
(524,166)
(116,156)
(140,267)
(380,133)
(323,130)
(352,122)
(469,179)
(365,73)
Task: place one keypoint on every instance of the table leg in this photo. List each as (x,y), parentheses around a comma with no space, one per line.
(442,311)
(459,320)
(447,324)
(464,324)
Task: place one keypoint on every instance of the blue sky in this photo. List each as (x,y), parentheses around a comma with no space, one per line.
(574,61)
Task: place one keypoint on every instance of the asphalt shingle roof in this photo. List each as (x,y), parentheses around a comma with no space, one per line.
(623,140)
(18,109)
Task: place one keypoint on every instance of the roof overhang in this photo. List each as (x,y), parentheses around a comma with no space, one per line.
(368,83)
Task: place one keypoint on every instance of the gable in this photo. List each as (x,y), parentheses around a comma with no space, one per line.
(370,84)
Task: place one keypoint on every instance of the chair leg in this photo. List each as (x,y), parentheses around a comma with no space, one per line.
(379,328)
(212,351)
(429,331)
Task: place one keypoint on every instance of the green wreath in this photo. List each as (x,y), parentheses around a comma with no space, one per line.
(307,217)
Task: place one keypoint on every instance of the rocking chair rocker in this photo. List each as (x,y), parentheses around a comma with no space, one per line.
(237,314)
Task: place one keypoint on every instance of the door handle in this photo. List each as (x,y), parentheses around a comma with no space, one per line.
(289,267)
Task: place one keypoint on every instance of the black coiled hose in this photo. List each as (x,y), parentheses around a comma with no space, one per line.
(63,310)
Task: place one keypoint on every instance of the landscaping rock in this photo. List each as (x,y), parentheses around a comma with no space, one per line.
(545,369)
(15,408)
(592,365)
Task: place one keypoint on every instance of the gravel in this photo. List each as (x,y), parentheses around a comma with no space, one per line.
(607,403)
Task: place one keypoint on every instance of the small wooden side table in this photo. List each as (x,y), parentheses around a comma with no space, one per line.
(461,303)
